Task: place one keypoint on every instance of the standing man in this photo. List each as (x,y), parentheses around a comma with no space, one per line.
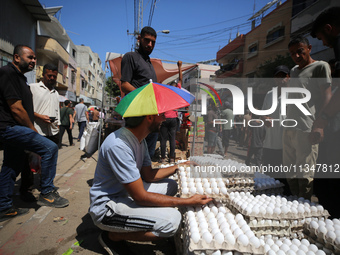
(66,114)
(227,128)
(272,145)
(137,70)
(211,131)
(326,27)
(47,119)
(17,133)
(315,76)
(81,116)
(129,199)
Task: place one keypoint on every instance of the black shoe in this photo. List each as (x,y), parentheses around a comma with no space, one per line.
(113,247)
(12,212)
(27,197)
(52,199)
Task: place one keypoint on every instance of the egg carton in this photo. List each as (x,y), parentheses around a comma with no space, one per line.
(274,207)
(216,228)
(269,192)
(325,232)
(274,245)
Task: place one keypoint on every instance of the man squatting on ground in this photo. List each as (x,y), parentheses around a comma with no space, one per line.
(17,133)
(129,199)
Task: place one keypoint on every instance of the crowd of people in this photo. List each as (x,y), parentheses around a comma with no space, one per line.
(131,200)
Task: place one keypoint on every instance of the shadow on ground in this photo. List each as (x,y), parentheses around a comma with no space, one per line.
(87,234)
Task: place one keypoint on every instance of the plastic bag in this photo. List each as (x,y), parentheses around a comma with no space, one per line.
(34,161)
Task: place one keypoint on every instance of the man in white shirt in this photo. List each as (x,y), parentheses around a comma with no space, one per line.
(47,118)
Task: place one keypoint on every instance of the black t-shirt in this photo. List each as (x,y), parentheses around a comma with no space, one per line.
(137,69)
(13,85)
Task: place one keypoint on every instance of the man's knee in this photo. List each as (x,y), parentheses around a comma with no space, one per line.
(171,225)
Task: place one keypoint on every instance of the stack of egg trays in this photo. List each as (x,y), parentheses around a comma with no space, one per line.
(245,184)
(220,197)
(280,225)
(322,238)
(191,247)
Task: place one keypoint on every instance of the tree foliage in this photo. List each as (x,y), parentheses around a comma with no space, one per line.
(112,88)
(266,69)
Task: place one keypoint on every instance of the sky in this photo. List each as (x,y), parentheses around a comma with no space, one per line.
(198,28)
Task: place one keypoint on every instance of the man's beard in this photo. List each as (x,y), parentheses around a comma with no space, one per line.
(154,127)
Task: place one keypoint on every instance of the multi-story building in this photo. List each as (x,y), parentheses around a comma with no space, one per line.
(18,21)
(303,15)
(91,64)
(55,46)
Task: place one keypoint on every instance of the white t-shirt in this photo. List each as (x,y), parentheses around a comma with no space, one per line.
(45,102)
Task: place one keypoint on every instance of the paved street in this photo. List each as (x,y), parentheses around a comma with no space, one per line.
(48,230)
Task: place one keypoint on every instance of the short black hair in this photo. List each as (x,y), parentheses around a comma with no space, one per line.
(149,31)
(18,49)
(50,66)
(133,121)
(297,40)
(81,99)
(67,102)
(329,16)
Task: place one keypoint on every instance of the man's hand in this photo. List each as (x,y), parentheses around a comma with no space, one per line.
(198,200)
(179,63)
(316,136)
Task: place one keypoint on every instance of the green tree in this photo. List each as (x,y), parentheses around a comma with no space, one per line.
(112,88)
(266,69)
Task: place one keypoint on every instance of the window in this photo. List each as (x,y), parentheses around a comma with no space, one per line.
(275,34)
(252,48)
(74,53)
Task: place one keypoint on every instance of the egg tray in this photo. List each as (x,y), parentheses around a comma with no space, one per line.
(217,197)
(203,245)
(318,237)
(271,191)
(290,216)
(191,246)
(326,247)
(289,233)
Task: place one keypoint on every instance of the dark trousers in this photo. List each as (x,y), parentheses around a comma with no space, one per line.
(168,131)
(61,133)
(27,177)
(257,152)
(151,141)
(81,126)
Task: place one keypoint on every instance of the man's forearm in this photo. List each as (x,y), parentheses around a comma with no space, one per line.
(127,87)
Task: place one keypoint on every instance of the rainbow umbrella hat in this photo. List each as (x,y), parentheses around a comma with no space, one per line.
(153,98)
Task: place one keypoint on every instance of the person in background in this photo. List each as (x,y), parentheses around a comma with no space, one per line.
(315,76)
(227,128)
(272,145)
(66,115)
(257,133)
(137,70)
(169,126)
(95,117)
(46,119)
(81,116)
(326,28)
(17,133)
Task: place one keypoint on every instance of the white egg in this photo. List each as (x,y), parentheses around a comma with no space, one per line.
(313,248)
(323,230)
(294,247)
(305,242)
(230,239)
(278,242)
(238,232)
(255,242)
(216,191)
(303,248)
(300,252)
(206,185)
(214,209)
(195,237)
(243,240)
(200,190)
(296,242)
(279,252)
(185,191)
(203,225)
(224,190)
(208,191)
(207,237)
(275,248)
(215,230)
(193,190)
(320,252)
(222,209)
(331,235)
(219,237)
(217,252)
(206,210)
